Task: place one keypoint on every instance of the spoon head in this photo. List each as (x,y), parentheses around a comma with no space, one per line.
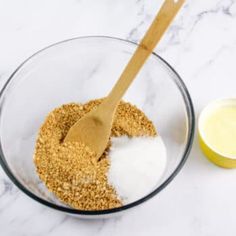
(92,131)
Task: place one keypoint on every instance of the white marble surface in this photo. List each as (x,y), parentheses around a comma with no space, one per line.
(201,46)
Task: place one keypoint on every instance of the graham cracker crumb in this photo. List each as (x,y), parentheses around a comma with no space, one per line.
(71,170)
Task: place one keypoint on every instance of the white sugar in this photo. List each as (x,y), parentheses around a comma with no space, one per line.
(137,164)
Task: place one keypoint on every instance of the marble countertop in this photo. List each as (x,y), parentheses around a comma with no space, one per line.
(200,45)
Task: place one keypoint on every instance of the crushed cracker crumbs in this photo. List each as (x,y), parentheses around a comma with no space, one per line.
(71,170)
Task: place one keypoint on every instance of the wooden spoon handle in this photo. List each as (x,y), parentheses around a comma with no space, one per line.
(158,27)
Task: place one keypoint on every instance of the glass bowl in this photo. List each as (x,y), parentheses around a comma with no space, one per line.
(78,70)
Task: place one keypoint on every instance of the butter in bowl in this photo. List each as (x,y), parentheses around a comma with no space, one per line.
(217,132)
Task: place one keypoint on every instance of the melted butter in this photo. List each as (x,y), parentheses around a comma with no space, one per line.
(220,130)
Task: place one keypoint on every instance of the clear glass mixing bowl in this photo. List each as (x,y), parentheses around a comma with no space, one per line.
(78,70)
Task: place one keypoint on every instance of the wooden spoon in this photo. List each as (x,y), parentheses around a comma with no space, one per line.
(95,127)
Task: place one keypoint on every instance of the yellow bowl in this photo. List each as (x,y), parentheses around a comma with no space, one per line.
(213,155)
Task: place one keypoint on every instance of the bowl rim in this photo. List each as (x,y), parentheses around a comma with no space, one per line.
(191,124)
